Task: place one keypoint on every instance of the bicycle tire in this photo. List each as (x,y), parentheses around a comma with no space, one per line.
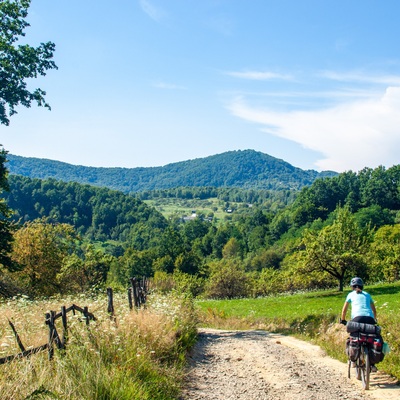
(358,367)
(365,372)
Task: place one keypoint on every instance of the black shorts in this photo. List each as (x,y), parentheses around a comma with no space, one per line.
(365,320)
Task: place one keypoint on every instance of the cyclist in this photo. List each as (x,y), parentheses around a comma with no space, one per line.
(362,306)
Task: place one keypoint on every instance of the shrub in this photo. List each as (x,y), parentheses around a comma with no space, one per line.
(188,284)
(227,280)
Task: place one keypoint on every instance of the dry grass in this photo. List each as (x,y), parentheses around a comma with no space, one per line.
(138,356)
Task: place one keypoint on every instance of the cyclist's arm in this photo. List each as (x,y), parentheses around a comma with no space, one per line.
(344,310)
(373,308)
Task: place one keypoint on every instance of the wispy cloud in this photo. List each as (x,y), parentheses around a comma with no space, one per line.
(335,94)
(154,12)
(350,135)
(259,75)
(168,86)
(361,77)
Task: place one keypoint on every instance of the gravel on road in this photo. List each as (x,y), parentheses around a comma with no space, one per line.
(257,365)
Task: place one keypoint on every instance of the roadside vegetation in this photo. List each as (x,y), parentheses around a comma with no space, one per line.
(311,316)
(286,231)
(139,356)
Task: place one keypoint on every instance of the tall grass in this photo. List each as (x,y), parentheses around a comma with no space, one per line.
(312,316)
(140,356)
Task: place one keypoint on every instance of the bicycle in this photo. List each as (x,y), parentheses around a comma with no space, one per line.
(364,341)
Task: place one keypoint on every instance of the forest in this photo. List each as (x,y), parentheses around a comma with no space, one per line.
(68,236)
(243,168)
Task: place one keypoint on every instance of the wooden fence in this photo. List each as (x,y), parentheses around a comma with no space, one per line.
(137,294)
(138,291)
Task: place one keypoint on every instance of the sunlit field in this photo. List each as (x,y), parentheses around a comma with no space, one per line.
(184,207)
(139,355)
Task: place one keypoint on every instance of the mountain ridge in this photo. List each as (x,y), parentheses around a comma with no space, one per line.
(247,169)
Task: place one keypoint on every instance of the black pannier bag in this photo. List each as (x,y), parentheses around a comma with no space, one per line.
(376,354)
(353,348)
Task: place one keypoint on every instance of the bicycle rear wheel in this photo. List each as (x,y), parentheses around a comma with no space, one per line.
(365,371)
(359,367)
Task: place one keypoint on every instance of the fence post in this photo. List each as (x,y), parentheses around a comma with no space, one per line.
(65,327)
(130,298)
(86,314)
(53,336)
(50,323)
(145,288)
(143,291)
(135,293)
(110,308)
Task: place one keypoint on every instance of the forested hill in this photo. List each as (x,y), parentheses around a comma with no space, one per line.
(244,169)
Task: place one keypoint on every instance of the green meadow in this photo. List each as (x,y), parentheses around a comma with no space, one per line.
(214,207)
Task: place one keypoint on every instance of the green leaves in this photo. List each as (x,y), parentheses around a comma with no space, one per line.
(12,23)
(18,63)
(6,227)
(385,254)
(338,249)
(40,248)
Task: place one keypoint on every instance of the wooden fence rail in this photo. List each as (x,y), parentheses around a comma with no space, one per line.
(138,290)
(54,337)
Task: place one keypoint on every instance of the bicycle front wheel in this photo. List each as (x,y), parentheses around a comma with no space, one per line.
(365,371)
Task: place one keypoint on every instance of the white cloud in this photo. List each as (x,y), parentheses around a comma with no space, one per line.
(352,135)
(155,13)
(259,75)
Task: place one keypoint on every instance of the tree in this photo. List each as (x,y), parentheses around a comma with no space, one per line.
(375,216)
(5,213)
(232,249)
(17,63)
(187,262)
(20,62)
(337,249)
(78,274)
(41,249)
(263,258)
(195,229)
(386,253)
(171,243)
(133,263)
(227,280)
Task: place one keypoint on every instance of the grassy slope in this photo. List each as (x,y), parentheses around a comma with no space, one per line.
(312,316)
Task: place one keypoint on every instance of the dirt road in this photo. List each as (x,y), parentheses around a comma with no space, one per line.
(257,365)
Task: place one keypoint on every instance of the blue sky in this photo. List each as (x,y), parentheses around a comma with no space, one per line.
(151,82)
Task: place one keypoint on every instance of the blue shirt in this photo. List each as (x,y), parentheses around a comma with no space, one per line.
(360,304)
